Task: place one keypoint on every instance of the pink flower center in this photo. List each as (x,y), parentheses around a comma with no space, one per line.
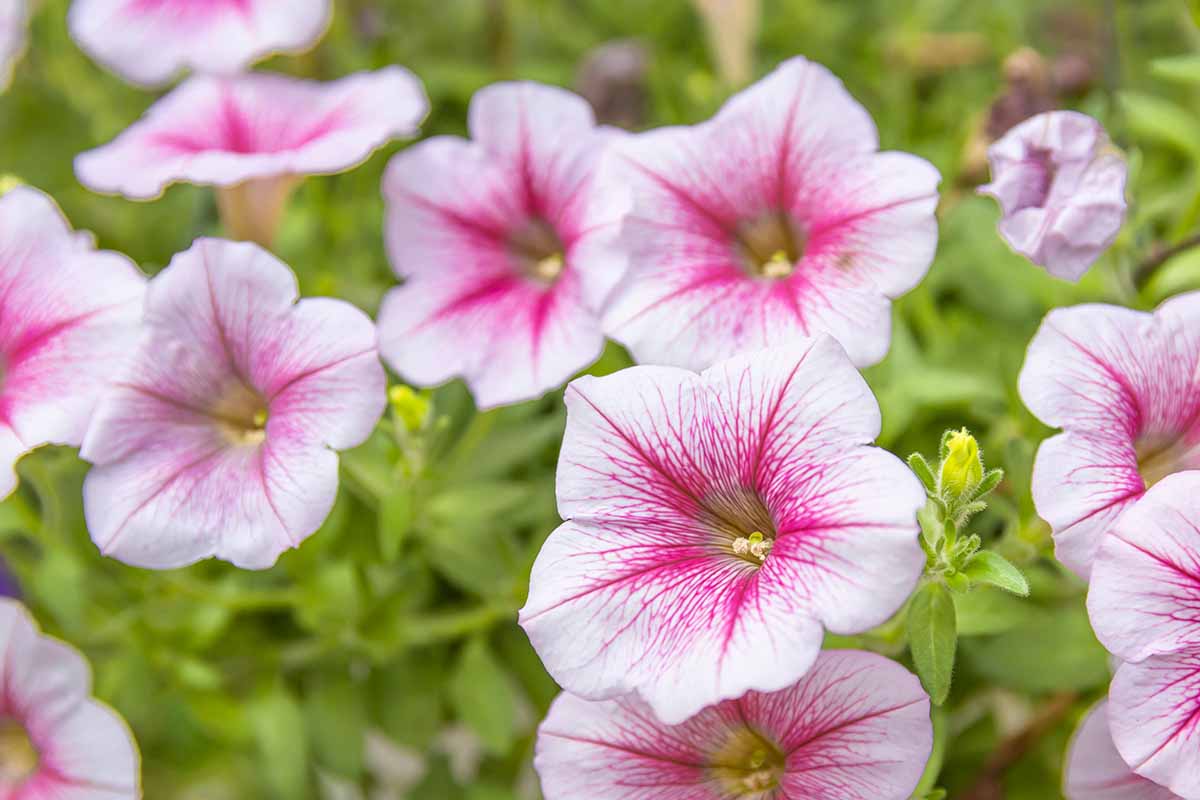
(747,765)
(1159,456)
(538,252)
(241,415)
(741,522)
(18,757)
(1040,169)
(770,245)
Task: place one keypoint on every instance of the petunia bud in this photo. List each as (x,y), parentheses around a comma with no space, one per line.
(962,468)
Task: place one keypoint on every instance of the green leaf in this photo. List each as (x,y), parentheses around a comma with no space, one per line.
(986,611)
(406,698)
(932,636)
(991,480)
(1053,650)
(337,720)
(932,526)
(279,732)
(992,568)
(920,466)
(482,697)
(1162,121)
(1183,69)
(395,521)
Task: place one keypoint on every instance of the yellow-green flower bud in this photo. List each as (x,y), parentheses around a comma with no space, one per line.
(411,408)
(962,468)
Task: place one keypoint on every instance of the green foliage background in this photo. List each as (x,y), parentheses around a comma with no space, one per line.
(382,659)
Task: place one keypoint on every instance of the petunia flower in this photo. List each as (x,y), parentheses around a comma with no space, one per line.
(149,42)
(1096,771)
(1061,187)
(14,33)
(1124,387)
(55,740)
(221,439)
(1144,603)
(255,137)
(775,220)
(68,313)
(716,526)
(856,727)
(504,243)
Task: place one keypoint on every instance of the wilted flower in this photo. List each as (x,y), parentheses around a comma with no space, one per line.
(255,136)
(1124,387)
(777,219)
(1096,771)
(717,524)
(149,42)
(1144,603)
(856,727)
(222,437)
(504,245)
(14,30)
(68,313)
(55,740)
(1061,188)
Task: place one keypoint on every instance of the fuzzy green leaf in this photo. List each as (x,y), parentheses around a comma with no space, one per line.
(920,466)
(933,635)
(992,568)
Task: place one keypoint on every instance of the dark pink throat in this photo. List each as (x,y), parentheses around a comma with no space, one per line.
(538,252)
(770,245)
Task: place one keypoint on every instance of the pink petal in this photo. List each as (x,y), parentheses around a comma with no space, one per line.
(1144,597)
(796,152)
(1061,187)
(68,315)
(14,33)
(638,590)
(855,727)
(1153,714)
(170,486)
(148,42)
(85,751)
(455,209)
(1096,771)
(1120,383)
(224,131)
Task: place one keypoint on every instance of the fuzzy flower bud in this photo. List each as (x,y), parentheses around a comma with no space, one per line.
(962,468)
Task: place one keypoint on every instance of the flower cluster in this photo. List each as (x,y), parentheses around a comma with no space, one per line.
(724,504)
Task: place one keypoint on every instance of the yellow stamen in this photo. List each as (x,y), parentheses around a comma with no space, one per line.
(549,268)
(778,265)
(18,758)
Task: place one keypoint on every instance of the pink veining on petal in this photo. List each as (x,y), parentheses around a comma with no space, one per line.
(856,727)
(221,439)
(55,741)
(775,220)
(717,524)
(68,314)
(1122,385)
(1061,187)
(1096,771)
(149,42)
(505,245)
(226,131)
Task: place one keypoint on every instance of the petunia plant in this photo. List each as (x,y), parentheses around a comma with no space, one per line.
(957,490)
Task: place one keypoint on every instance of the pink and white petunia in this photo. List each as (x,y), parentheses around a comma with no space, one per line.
(1125,388)
(1144,603)
(716,526)
(149,42)
(14,33)
(221,439)
(1061,187)
(255,136)
(776,219)
(504,242)
(1096,771)
(856,727)
(56,742)
(68,314)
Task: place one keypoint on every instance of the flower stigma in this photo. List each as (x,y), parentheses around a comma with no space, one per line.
(755,545)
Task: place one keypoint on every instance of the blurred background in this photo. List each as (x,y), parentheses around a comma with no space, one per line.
(382,661)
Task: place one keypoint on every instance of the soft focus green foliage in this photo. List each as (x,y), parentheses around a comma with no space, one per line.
(384,655)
